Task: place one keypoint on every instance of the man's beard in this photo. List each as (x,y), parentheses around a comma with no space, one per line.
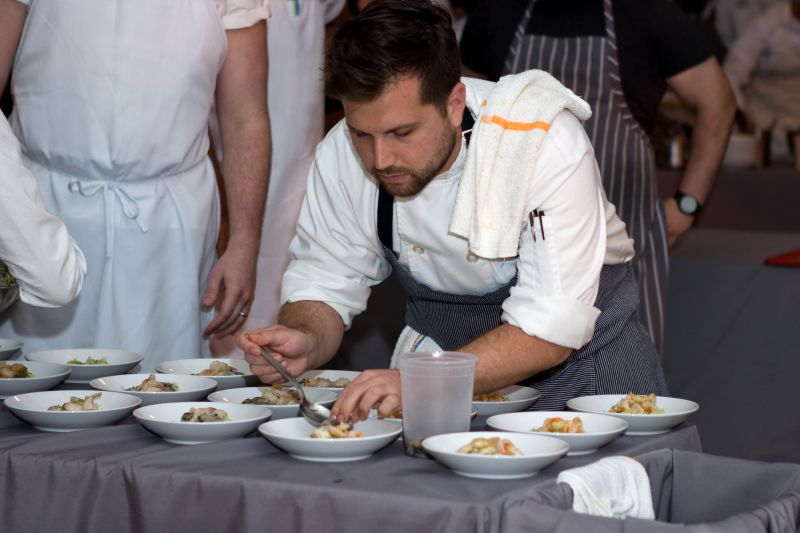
(419,179)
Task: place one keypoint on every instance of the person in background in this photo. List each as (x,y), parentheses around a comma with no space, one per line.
(112,100)
(545,296)
(47,264)
(763,65)
(731,17)
(620,56)
(295,100)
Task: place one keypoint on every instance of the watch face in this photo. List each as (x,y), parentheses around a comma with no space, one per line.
(688,205)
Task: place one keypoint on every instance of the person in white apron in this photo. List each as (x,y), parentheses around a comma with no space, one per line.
(296,103)
(111,107)
(583,47)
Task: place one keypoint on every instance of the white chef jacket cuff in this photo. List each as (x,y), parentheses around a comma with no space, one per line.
(241,17)
(555,318)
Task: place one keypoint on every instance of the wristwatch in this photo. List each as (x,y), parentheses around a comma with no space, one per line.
(687,204)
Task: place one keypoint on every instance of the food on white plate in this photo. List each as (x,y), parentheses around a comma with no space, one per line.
(490,446)
(151,384)
(14,370)
(490,397)
(76,403)
(275,395)
(220,368)
(637,404)
(322,382)
(334,430)
(205,414)
(557,424)
(89,361)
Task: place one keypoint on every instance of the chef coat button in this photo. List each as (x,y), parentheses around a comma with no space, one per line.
(418,249)
(472,257)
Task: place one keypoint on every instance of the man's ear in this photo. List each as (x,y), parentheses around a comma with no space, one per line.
(456,103)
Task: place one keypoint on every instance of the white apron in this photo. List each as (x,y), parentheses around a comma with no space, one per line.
(112,103)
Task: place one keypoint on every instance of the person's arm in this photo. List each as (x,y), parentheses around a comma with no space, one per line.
(12,21)
(244,127)
(47,264)
(705,89)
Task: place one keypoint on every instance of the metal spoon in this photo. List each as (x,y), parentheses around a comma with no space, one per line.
(314,413)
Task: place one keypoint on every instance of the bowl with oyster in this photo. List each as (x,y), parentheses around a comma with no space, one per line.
(157,388)
(228,373)
(71,410)
(282,400)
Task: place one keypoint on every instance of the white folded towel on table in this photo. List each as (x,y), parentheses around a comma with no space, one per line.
(501,159)
(616,487)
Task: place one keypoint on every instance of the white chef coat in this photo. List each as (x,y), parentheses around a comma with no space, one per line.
(112,101)
(337,256)
(35,245)
(763,66)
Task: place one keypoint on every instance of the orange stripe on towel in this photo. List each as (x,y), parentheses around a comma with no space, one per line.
(517,126)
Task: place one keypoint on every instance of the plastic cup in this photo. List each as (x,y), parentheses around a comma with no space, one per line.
(437,395)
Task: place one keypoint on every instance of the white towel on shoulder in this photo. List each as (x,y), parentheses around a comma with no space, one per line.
(616,487)
(501,159)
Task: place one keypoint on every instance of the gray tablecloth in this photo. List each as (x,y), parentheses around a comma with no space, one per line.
(733,341)
(123,478)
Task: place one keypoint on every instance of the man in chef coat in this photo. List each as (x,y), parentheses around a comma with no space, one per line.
(560,315)
(45,261)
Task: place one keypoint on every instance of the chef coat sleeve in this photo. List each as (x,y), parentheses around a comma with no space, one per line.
(336,258)
(39,252)
(237,14)
(559,271)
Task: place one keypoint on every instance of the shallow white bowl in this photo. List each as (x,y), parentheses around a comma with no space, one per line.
(45,377)
(9,348)
(32,408)
(599,429)
(539,451)
(189,387)
(519,398)
(119,361)
(164,419)
(676,411)
(323,397)
(329,374)
(193,367)
(292,435)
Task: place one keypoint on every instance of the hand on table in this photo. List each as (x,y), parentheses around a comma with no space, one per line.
(231,285)
(677,223)
(290,347)
(373,389)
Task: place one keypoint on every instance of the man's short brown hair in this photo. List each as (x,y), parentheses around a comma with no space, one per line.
(389,40)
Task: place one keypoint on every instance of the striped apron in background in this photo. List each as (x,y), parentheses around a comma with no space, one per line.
(589,66)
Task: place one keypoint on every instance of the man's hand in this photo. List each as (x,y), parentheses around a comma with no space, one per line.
(677,223)
(290,347)
(231,286)
(373,389)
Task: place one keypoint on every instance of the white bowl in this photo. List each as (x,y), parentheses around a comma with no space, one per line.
(599,429)
(45,377)
(189,387)
(32,408)
(9,349)
(676,411)
(119,361)
(538,451)
(164,419)
(292,435)
(323,397)
(519,398)
(329,374)
(193,367)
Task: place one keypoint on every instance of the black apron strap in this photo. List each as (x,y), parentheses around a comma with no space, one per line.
(386,201)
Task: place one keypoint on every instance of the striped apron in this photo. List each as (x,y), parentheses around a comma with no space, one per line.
(589,66)
(619,358)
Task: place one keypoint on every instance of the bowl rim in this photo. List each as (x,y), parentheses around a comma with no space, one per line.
(9,403)
(208,386)
(64,371)
(138,359)
(693,407)
(137,413)
(396,430)
(563,446)
(623,424)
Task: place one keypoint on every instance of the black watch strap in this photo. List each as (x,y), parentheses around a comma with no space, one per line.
(687,204)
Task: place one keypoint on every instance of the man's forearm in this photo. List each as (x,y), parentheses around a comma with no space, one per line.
(318,320)
(508,355)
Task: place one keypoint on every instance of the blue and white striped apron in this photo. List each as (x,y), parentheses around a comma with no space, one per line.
(589,66)
(619,358)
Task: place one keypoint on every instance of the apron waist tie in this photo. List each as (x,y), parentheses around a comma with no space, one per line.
(129,206)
